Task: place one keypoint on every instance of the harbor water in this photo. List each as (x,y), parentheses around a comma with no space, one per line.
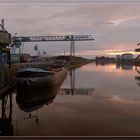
(93,100)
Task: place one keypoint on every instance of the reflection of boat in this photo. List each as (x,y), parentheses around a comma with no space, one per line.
(34,92)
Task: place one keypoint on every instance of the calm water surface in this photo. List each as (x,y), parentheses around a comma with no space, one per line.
(94,100)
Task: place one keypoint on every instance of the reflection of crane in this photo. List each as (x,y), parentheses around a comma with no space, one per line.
(72,80)
(75,91)
(17,41)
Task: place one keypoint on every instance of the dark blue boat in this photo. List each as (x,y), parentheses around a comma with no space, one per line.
(38,77)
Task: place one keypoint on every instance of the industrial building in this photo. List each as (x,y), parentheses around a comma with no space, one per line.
(125,57)
(17,58)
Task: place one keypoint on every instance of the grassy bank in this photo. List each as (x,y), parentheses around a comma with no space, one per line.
(77,64)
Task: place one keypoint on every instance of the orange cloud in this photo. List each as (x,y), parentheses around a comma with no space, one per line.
(123,19)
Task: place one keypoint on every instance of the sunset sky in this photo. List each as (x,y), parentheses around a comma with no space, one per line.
(114,26)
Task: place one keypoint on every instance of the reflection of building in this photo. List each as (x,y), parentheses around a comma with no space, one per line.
(127,67)
(118,65)
(124,66)
(6,127)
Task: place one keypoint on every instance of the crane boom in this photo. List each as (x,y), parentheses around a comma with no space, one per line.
(53,38)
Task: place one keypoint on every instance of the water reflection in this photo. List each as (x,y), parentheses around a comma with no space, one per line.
(76,91)
(124,66)
(115,104)
(138,77)
(6,127)
(73,90)
(30,99)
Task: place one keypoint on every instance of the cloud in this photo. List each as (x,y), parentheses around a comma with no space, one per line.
(110,24)
(70,1)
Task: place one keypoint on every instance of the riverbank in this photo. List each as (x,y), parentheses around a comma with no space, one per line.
(11,71)
(77,64)
(69,65)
